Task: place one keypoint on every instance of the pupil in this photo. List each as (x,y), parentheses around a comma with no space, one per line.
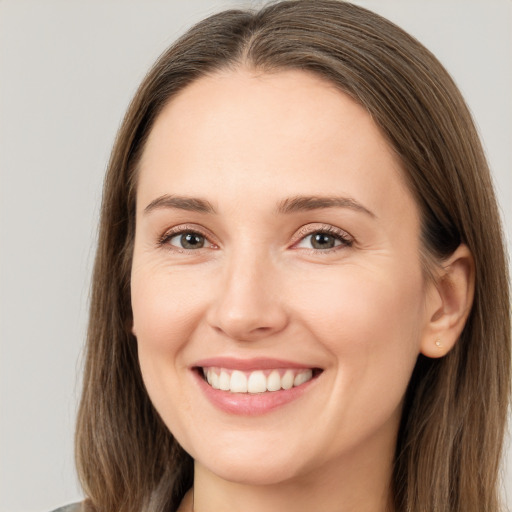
(322,241)
(192,241)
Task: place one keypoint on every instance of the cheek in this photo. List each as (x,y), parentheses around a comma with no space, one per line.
(362,308)
(165,309)
(164,305)
(371,325)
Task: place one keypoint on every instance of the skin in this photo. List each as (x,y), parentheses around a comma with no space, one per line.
(362,311)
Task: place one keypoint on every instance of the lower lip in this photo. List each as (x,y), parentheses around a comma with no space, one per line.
(251,404)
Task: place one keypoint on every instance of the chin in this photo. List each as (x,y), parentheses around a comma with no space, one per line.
(259,463)
(251,471)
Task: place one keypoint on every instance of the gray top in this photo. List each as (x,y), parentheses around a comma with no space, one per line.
(73,507)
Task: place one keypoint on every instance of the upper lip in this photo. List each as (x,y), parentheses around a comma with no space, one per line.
(257,363)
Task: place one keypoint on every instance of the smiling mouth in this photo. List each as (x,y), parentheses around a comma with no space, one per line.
(257,381)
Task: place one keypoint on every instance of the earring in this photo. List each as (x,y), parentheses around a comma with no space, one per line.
(438,343)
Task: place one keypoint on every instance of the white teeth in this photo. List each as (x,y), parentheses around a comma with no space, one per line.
(215,381)
(302,377)
(258,381)
(224,381)
(287,380)
(238,382)
(274,381)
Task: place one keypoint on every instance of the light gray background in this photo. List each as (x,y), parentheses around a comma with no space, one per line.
(67,72)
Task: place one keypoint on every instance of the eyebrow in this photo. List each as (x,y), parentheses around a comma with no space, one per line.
(191,204)
(305,203)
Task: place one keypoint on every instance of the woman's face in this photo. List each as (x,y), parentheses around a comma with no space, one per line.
(276,246)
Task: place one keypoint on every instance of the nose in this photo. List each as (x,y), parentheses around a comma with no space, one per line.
(249,305)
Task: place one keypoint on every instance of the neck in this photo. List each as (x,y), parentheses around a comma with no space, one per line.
(343,486)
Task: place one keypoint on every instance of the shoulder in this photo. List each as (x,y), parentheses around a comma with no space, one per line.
(73,507)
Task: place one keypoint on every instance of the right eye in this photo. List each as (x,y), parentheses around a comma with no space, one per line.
(188,240)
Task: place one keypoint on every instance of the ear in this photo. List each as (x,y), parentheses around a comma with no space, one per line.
(449,302)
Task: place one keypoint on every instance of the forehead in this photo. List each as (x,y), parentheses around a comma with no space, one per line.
(240,133)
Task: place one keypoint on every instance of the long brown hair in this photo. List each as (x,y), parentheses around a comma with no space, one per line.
(449,444)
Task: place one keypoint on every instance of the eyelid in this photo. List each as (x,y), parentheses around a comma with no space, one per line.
(184,228)
(316,227)
(309,229)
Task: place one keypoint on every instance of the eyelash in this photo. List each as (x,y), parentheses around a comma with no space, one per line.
(182,230)
(339,235)
(325,229)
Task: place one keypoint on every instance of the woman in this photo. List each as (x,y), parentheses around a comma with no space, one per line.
(300,296)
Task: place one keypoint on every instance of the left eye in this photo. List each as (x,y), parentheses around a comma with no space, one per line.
(188,240)
(321,240)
